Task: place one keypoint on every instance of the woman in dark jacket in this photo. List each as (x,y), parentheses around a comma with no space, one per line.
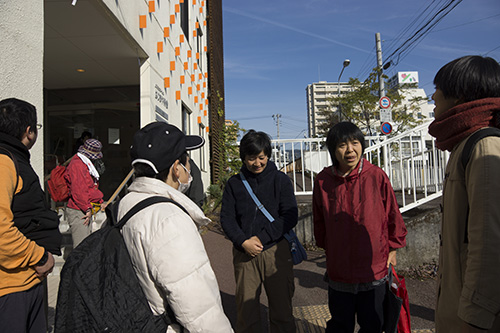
(261,255)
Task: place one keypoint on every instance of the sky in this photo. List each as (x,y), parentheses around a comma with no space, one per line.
(274,48)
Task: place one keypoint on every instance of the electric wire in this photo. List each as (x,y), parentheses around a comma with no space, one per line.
(397,55)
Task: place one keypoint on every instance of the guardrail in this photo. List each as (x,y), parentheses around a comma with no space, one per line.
(411,160)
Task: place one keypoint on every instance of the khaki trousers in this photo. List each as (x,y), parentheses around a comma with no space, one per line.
(272,268)
(79,231)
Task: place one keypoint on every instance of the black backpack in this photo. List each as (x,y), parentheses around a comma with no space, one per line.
(99,290)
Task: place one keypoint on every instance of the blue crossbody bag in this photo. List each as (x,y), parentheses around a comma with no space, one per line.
(297,250)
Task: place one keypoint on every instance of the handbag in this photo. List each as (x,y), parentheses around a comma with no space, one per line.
(296,249)
(397,305)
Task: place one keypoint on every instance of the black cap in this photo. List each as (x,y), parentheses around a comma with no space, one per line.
(160,144)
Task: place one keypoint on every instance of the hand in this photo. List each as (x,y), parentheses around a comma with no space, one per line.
(86,217)
(45,269)
(103,206)
(466,328)
(392,258)
(252,246)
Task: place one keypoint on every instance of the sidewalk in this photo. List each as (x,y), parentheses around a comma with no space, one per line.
(310,299)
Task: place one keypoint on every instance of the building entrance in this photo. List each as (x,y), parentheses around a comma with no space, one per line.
(110,114)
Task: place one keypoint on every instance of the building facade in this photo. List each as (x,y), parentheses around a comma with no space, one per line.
(110,67)
(317,99)
(318,96)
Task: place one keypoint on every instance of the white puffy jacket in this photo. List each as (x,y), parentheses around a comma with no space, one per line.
(170,260)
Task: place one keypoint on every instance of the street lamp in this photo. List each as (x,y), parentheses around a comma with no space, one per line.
(344,65)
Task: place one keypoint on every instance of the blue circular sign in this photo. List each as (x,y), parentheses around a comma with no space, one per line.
(384,102)
(386,128)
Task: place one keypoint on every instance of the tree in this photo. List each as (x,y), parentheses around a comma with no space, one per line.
(360,106)
(230,164)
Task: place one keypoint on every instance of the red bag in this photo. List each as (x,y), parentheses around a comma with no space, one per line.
(58,189)
(404,325)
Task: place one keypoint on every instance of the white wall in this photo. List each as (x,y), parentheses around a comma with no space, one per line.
(21,61)
(157,101)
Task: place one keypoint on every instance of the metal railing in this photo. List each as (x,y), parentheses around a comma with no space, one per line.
(411,160)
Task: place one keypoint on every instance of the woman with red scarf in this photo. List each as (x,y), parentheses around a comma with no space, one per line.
(467,99)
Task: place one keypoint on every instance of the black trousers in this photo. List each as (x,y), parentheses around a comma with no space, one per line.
(23,311)
(366,306)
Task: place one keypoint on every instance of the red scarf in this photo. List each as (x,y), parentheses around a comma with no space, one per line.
(456,124)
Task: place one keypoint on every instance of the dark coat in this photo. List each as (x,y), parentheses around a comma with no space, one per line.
(241,219)
(32,215)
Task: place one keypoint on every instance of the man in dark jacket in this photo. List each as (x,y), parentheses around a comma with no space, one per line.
(29,229)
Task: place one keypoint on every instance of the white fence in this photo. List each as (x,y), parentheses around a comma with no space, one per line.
(411,160)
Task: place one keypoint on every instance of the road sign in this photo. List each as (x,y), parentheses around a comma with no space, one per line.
(385,116)
(386,128)
(384,102)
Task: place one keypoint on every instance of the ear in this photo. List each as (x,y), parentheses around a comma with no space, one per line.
(28,136)
(175,169)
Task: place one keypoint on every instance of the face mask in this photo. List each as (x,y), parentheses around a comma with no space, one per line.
(99,166)
(184,187)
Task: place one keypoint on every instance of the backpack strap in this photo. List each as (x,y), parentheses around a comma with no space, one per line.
(168,316)
(475,138)
(466,154)
(143,204)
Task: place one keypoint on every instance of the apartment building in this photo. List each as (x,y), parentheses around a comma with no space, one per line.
(317,99)
(318,95)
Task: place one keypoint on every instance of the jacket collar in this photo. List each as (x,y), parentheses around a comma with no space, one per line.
(18,146)
(270,167)
(157,187)
(362,167)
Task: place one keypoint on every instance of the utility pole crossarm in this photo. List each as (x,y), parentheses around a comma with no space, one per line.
(276,117)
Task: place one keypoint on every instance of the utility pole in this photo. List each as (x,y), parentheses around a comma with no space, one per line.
(276,118)
(381,89)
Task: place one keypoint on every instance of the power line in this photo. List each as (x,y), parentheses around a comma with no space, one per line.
(491,50)
(417,36)
(466,23)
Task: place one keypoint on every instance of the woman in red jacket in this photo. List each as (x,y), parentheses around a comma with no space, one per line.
(82,177)
(358,223)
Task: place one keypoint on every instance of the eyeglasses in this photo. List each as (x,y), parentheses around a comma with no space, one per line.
(39,126)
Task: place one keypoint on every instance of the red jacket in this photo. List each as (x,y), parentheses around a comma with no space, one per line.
(83,188)
(357,220)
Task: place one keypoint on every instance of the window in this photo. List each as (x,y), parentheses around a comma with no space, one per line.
(199,44)
(202,149)
(185,18)
(186,120)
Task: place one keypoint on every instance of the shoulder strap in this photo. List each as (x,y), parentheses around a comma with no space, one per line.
(143,204)
(466,154)
(255,199)
(475,138)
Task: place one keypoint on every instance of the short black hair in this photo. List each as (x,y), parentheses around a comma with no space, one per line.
(253,143)
(145,170)
(343,132)
(469,78)
(15,117)
(86,134)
